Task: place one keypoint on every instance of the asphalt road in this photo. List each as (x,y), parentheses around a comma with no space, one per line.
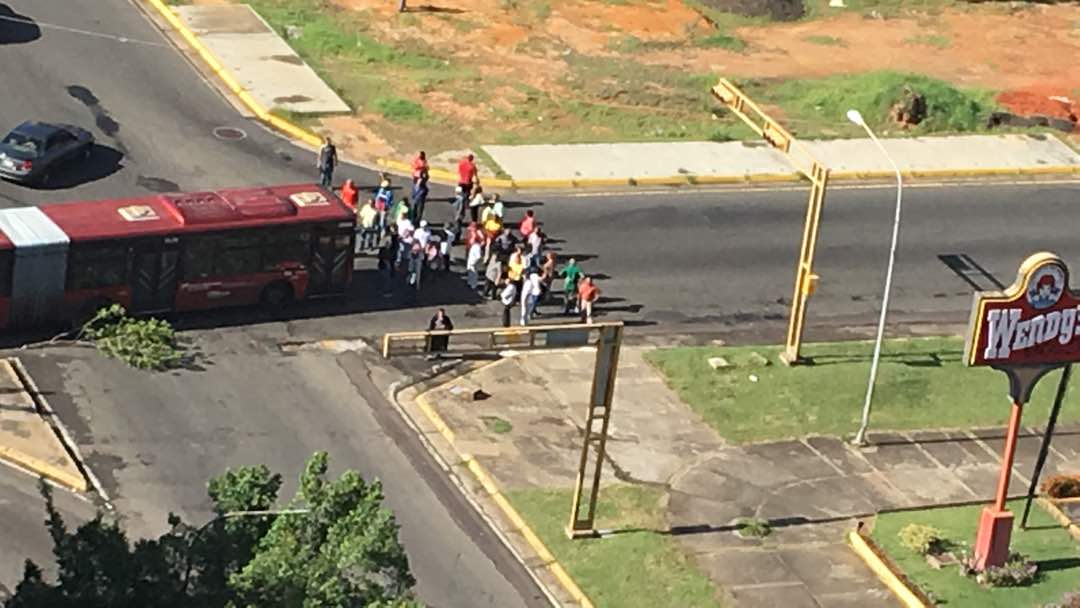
(154,119)
(669,262)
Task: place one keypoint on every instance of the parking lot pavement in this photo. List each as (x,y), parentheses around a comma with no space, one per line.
(155,439)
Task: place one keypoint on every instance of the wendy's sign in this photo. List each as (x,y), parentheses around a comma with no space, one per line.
(1025,331)
(1033,322)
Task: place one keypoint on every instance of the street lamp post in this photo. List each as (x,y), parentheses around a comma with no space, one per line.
(222,517)
(860,437)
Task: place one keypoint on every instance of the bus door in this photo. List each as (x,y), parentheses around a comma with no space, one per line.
(153,276)
(331,260)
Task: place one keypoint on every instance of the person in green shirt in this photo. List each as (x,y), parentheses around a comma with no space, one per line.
(571,274)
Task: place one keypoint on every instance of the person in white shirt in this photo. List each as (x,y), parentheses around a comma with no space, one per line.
(508,296)
(472,263)
(423,234)
(530,297)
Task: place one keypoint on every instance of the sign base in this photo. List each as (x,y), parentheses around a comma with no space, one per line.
(992,542)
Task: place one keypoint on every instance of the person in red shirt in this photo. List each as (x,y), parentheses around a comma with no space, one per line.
(466,174)
(419,166)
(350,194)
(588,294)
(527,225)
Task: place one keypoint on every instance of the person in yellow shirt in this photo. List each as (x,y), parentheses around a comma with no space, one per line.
(368,231)
(515,267)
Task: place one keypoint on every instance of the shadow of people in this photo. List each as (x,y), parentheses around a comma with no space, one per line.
(16,28)
(102,162)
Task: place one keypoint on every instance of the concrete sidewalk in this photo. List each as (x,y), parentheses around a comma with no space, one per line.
(704,162)
(259,59)
(811,490)
(26,438)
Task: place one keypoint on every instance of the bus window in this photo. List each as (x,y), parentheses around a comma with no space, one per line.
(6,259)
(286,246)
(239,254)
(199,254)
(97,265)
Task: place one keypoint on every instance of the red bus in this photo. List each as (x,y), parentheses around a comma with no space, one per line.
(174,252)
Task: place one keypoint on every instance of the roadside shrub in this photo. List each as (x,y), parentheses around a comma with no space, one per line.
(1018,571)
(1062,486)
(141,343)
(948,108)
(922,539)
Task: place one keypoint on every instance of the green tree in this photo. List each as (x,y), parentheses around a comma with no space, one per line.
(343,552)
(337,547)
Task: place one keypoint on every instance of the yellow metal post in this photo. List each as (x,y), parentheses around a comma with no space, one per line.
(805,279)
(800,158)
(593,447)
(605,337)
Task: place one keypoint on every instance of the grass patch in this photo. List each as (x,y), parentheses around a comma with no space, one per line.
(338,45)
(921,384)
(497,425)
(399,109)
(825,40)
(1045,542)
(720,41)
(935,40)
(817,107)
(626,570)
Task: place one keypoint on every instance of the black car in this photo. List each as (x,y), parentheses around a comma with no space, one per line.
(34,150)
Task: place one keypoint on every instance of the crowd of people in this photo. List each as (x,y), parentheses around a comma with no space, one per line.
(508,263)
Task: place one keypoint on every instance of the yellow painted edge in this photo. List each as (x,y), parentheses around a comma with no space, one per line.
(44,469)
(436,420)
(774,177)
(230,82)
(975,172)
(545,183)
(671,180)
(508,509)
(902,592)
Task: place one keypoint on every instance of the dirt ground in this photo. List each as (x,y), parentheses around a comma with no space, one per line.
(517,46)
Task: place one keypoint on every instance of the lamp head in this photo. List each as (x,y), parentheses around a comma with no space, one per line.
(855,117)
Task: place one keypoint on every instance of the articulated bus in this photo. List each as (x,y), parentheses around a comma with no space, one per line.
(173,252)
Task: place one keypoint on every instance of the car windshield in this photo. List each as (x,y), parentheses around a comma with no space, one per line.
(22,143)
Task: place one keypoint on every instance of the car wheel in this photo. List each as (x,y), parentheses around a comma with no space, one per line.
(276,296)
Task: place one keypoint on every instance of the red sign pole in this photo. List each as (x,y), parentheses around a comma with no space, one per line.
(996,523)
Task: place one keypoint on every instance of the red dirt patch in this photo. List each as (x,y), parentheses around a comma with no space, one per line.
(1039,102)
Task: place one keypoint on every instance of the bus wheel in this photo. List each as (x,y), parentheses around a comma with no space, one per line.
(276,296)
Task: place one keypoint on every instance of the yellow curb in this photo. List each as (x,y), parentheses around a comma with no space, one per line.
(44,469)
(720,179)
(227,79)
(862,547)
(674,180)
(1055,511)
(977,172)
(486,481)
(774,177)
(546,183)
(435,419)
